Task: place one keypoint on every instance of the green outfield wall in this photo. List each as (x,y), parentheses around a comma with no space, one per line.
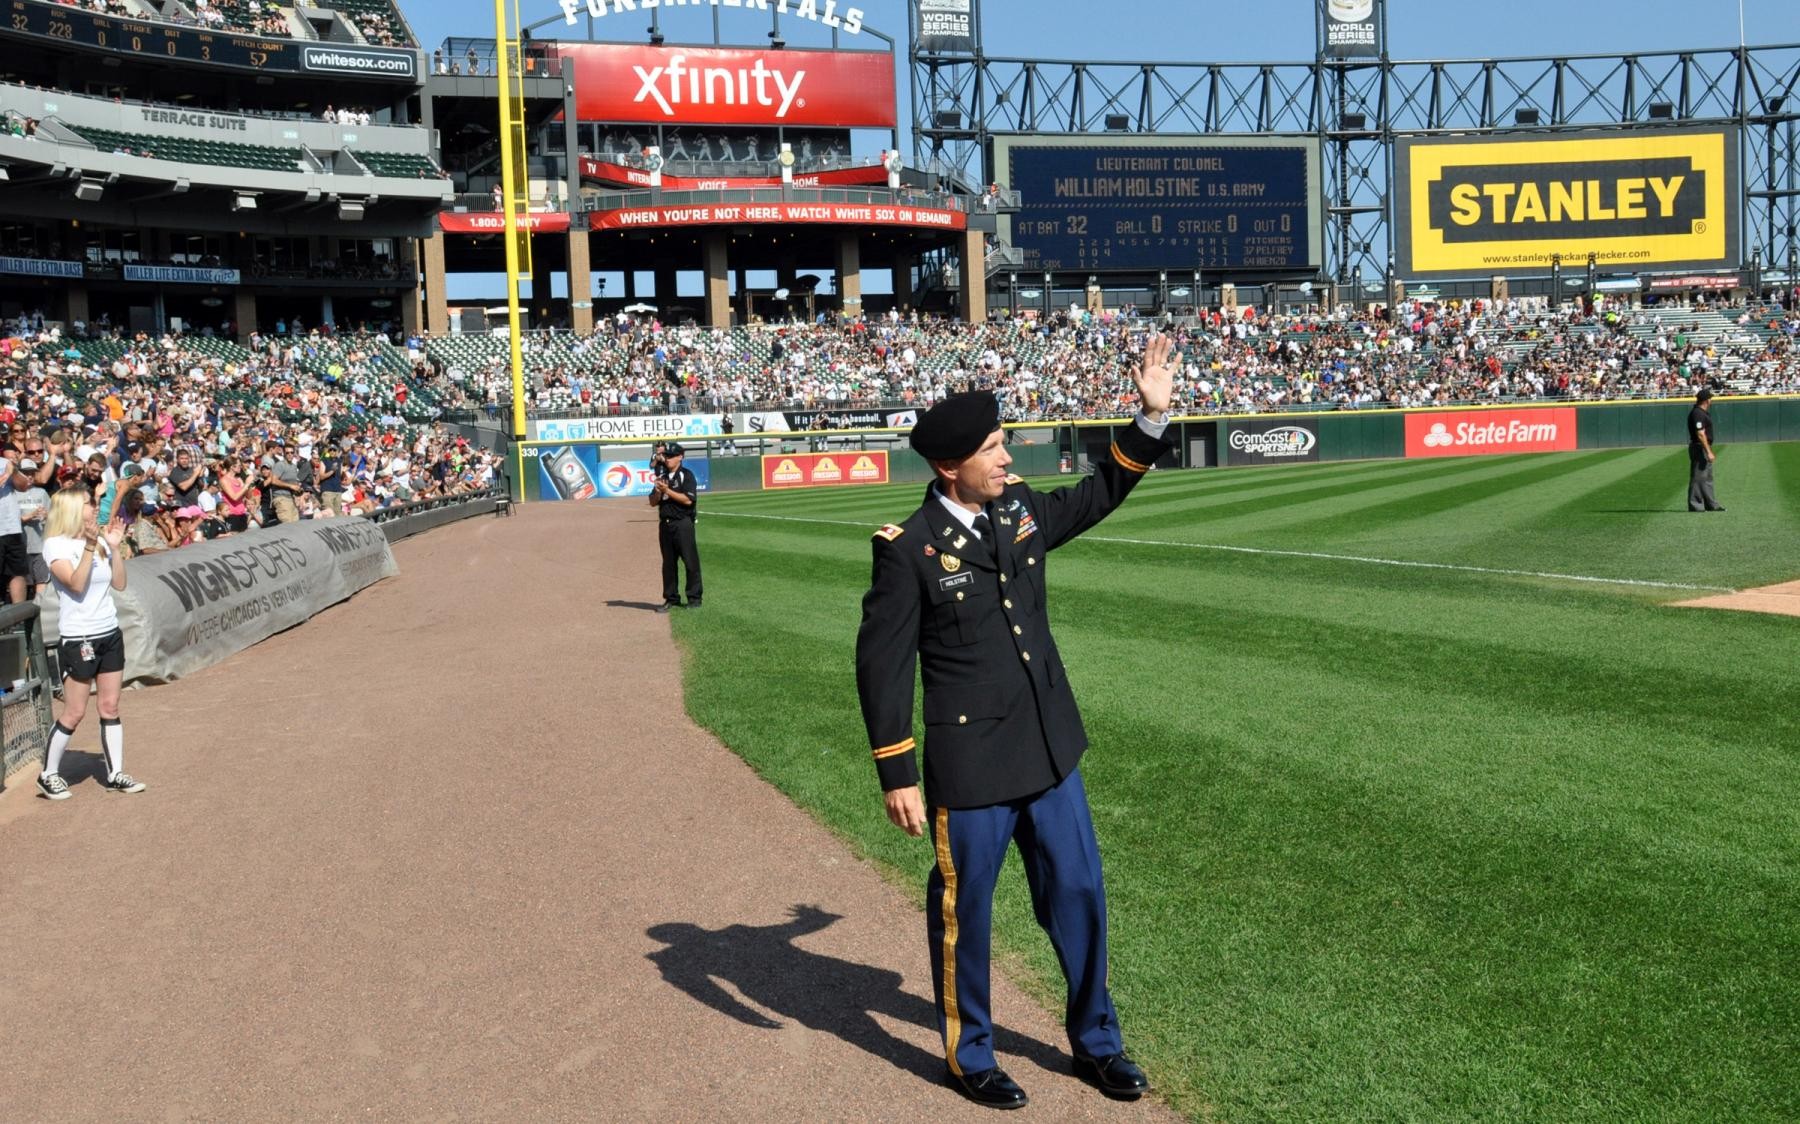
(618,468)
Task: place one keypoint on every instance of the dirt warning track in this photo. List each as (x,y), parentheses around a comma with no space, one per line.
(453,850)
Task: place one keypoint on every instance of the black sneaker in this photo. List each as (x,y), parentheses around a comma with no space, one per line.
(51,786)
(124,782)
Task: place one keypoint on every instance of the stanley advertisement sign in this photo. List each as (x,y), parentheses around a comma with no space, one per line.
(1637,201)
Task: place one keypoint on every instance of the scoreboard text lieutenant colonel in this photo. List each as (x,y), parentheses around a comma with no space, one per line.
(959,587)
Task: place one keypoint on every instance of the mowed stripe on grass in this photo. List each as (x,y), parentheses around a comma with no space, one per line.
(1381,843)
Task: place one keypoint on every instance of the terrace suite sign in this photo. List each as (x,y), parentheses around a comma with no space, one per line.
(828,13)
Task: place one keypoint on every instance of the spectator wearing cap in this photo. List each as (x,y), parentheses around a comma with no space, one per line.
(34,506)
(676,499)
(280,482)
(15,566)
(959,588)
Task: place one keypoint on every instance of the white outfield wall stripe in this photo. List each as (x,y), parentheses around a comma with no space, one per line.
(1396,562)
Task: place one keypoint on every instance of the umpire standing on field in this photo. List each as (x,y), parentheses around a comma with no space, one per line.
(1701,454)
(676,498)
(959,589)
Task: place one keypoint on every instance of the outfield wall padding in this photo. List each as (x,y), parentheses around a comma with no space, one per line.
(1342,435)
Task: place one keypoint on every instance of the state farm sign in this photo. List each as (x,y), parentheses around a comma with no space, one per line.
(625,82)
(1468,433)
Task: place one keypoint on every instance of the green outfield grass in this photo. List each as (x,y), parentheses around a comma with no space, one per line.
(1382,843)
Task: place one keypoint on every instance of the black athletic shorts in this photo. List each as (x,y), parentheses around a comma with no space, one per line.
(13,562)
(82,660)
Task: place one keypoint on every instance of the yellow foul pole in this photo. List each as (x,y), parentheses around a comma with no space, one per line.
(512,192)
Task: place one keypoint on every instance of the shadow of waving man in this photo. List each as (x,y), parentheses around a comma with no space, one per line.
(823,993)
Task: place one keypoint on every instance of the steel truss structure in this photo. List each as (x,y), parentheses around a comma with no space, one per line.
(1359,108)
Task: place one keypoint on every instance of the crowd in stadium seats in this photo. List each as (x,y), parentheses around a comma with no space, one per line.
(286,429)
(1070,366)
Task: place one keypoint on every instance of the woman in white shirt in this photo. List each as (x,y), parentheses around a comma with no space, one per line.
(85,567)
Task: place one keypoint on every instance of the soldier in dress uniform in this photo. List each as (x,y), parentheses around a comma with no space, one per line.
(959,588)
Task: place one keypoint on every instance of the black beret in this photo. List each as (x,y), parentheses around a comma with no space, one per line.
(957,426)
(673,449)
(1705,395)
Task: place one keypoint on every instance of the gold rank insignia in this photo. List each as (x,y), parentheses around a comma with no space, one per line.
(950,562)
(890,532)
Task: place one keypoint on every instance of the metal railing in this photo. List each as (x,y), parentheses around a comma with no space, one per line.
(25,711)
(408,519)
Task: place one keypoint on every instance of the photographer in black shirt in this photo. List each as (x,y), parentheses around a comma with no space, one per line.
(675,498)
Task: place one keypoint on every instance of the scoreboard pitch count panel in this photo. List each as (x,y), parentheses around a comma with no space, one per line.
(1144,203)
(78,27)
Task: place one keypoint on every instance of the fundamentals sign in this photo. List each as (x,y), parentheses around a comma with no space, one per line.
(1635,200)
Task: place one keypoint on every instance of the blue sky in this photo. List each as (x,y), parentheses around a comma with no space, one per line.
(1188,31)
(1216,30)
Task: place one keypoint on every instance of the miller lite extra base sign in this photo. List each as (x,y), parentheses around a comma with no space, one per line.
(630,83)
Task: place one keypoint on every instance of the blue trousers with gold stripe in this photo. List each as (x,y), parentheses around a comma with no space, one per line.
(1062,866)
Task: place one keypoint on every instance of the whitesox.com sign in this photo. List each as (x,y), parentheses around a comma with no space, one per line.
(621,82)
(1468,433)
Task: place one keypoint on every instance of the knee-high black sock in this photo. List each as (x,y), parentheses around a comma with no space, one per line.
(53,753)
(112,745)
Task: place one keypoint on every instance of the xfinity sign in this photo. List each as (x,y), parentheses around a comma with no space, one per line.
(624,83)
(713,85)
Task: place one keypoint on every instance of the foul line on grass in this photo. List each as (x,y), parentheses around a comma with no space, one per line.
(1396,562)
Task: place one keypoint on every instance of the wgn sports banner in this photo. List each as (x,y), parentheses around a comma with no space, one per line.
(187,609)
(1638,201)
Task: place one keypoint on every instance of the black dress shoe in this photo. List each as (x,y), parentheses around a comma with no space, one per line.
(1715,509)
(990,1087)
(693,603)
(663,608)
(1115,1075)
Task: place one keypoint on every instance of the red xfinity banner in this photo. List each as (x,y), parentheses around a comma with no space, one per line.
(494,222)
(618,175)
(1469,433)
(811,470)
(628,82)
(861,214)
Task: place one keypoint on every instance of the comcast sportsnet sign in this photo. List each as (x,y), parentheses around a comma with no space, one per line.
(631,83)
(1469,433)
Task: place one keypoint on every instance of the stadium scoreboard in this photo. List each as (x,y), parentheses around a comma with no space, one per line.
(52,23)
(1250,205)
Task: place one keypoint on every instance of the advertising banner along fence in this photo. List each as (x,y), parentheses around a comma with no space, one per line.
(851,214)
(811,470)
(1636,201)
(652,426)
(619,175)
(581,472)
(1270,442)
(184,610)
(1468,433)
(631,83)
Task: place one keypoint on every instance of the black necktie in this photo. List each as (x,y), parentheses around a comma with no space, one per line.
(985,528)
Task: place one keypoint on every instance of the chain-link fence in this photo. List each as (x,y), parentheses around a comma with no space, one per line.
(25,707)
